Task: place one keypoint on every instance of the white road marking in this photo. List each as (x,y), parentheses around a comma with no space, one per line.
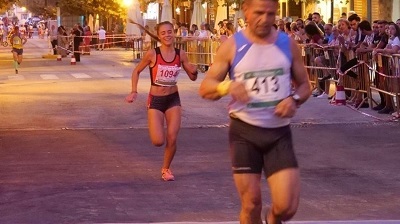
(49,76)
(81,75)
(16,77)
(113,75)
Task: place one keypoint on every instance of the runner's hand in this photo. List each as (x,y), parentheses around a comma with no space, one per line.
(286,108)
(238,92)
(131,97)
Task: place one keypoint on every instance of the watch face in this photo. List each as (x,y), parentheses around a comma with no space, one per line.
(296,97)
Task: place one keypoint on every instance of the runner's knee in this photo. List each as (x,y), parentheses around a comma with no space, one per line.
(284,211)
(251,204)
(171,139)
(158,143)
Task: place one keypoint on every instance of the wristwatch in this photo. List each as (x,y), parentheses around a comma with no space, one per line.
(296,98)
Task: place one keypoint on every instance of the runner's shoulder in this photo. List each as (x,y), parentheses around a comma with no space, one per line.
(227,48)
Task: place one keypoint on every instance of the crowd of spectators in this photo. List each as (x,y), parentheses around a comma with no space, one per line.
(350,37)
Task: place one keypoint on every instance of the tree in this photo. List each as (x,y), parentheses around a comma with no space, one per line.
(6,4)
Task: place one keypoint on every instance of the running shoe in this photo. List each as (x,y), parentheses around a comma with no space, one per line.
(167,175)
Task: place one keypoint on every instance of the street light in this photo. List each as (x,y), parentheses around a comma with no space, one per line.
(127,3)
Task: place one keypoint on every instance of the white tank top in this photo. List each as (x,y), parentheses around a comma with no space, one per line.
(265,70)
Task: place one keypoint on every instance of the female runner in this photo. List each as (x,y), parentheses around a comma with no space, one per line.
(164,62)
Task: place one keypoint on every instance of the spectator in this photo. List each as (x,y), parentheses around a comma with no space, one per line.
(384,37)
(53,38)
(77,35)
(87,40)
(62,42)
(328,33)
(230,29)
(203,32)
(194,30)
(369,42)
(102,38)
(354,20)
(241,25)
(281,25)
(221,28)
(316,17)
(314,34)
(392,47)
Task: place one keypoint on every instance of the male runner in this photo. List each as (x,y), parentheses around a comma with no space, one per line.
(268,82)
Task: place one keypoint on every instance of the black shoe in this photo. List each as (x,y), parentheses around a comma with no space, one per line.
(386,110)
(16,71)
(379,107)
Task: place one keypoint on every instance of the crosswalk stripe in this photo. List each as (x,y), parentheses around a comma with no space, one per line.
(81,75)
(16,77)
(113,75)
(48,76)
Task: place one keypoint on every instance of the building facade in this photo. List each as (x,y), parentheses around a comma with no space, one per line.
(367,9)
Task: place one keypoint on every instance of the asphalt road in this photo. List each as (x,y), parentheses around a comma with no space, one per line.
(72,151)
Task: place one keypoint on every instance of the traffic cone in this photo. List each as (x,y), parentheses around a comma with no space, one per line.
(73,61)
(340,96)
(59,57)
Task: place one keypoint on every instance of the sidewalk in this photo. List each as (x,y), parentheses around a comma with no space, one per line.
(315,110)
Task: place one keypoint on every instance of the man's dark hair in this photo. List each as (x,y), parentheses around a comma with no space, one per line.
(287,26)
(354,17)
(365,25)
(382,22)
(316,13)
(344,14)
(375,21)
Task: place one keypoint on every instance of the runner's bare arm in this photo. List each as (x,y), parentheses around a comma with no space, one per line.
(190,69)
(145,30)
(135,74)
(299,74)
(217,73)
(288,106)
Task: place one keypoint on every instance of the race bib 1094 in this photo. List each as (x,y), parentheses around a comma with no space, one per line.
(167,75)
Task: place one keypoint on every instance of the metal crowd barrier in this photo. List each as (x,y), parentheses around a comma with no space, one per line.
(321,64)
(361,84)
(387,77)
(200,52)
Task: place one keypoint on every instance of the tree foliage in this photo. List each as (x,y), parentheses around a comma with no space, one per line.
(5,4)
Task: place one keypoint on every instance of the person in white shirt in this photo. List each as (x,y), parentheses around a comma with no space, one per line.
(203,32)
(53,38)
(241,25)
(102,38)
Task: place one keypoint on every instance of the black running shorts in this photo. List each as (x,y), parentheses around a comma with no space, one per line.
(254,148)
(18,51)
(163,103)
